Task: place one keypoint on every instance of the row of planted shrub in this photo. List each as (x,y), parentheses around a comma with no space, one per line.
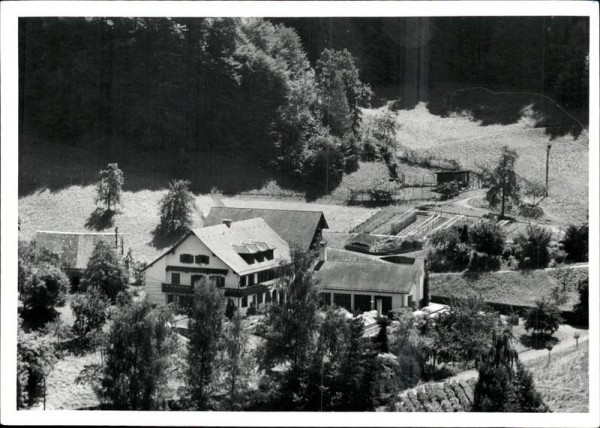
(450,396)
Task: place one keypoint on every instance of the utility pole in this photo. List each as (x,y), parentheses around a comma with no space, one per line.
(548,147)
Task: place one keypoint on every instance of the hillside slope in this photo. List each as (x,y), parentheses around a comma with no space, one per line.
(473,145)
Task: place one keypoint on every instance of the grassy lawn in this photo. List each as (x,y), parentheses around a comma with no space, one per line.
(564,383)
(473,145)
(511,288)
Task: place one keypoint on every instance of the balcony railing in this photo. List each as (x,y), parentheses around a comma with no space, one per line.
(177,288)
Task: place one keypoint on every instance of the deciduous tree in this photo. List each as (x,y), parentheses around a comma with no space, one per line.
(543,318)
(176,209)
(139,358)
(109,185)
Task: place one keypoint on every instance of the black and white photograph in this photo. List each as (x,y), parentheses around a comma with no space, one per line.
(334,211)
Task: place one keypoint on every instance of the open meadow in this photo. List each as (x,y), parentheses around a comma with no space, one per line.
(474,145)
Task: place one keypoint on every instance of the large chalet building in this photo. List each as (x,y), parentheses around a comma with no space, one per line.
(241,257)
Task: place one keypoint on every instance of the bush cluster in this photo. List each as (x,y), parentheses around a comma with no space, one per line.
(477,247)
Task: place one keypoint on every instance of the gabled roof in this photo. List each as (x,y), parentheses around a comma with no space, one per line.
(296,227)
(228,242)
(74,249)
(351,271)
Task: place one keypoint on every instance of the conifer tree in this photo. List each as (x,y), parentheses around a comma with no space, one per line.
(504,184)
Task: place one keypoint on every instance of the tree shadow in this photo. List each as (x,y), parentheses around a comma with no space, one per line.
(100,219)
(36,319)
(503,108)
(537,341)
(161,239)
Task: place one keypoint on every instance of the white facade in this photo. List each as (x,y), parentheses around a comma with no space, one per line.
(169,279)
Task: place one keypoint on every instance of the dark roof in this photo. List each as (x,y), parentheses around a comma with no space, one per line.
(296,227)
(73,249)
(462,171)
(351,271)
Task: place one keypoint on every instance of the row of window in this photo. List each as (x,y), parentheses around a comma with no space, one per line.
(259,298)
(190,258)
(219,281)
(257,278)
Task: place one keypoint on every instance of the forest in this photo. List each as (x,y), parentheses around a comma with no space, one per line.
(286,93)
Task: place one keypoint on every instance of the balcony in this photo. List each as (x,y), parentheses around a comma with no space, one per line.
(177,288)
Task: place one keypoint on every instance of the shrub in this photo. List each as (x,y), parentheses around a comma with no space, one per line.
(487,237)
(581,308)
(532,247)
(44,288)
(352,153)
(230,309)
(483,262)
(90,311)
(575,242)
(544,317)
(557,255)
(324,162)
(35,358)
(449,190)
(251,310)
(531,211)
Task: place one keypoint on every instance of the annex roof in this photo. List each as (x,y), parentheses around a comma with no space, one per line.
(296,227)
(74,249)
(350,271)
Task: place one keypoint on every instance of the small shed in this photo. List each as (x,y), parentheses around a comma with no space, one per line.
(74,249)
(462,176)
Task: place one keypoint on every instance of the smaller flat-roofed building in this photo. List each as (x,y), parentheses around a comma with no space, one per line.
(360,282)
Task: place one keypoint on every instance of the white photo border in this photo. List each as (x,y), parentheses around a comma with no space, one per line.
(10,13)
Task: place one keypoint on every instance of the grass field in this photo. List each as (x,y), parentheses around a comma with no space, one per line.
(509,288)
(473,145)
(70,208)
(564,383)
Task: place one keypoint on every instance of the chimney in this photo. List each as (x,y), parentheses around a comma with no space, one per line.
(227,222)
(323,251)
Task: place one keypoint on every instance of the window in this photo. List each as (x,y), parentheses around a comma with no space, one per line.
(202,259)
(219,281)
(269,254)
(175,278)
(251,280)
(410,301)
(170,298)
(243,282)
(244,301)
(186,258)
(260,298)
(196,278)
